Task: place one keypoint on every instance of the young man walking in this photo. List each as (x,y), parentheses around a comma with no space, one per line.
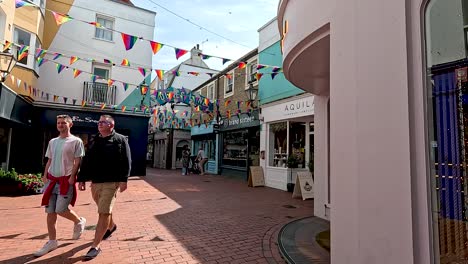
(107,165)
(64,156)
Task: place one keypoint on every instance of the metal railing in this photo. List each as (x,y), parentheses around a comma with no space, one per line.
(99,93)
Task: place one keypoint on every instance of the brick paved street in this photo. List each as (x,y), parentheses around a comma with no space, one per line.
(162,218)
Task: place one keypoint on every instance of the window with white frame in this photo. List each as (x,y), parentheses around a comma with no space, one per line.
(104,33)
(251,71)
(22,37)
(229,85)
(210,92)
(101,71)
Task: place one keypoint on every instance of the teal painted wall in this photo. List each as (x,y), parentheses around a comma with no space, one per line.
(134,98)
(272,90)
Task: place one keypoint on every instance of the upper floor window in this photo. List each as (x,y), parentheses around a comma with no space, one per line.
(229,84)
(101,71)
(252,71)
(22,37)
(210,92)
(105,33)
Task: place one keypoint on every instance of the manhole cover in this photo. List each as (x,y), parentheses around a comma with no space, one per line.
(289,206)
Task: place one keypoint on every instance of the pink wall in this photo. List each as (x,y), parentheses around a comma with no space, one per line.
(379,188)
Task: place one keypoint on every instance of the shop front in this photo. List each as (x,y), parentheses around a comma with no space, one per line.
(288,139)
(134,126)
(207,136)
(240,145)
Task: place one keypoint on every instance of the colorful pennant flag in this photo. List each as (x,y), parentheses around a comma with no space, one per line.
(180,52)
(65,99)
(260,66)
(273,75)
(40,52)
(225,60)
(258,76)
(129,41)
(226,103)
(73,59)
(228,75)
(108,61)
(23,52)
(40,61)
(125,86)
(125,62)
(242,65)
(83,103)
(60,18)
(142,71)
(103,106)
(204,57)
(76,72)
(144,90)
(176,73)
(155,46)
(59,67)
(123,108)
(160,74)
(276,69)
(56,56)
(20,3)
(193,73)
(96,24)
(210,74)
(93,78)
(7,45)
(55,98)
(110,82)
(170,95)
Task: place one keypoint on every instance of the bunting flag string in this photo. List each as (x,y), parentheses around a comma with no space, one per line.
(128,40)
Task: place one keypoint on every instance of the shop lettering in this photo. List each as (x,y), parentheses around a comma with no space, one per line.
(241,121)
(85,120)
(298,106)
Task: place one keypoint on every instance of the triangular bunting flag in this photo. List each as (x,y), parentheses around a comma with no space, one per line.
(83,103)
(73,59)
(180,52)
(7,45)
(56,56)
(93,78)
(40,52)
(59,67)
(103,106)
(20,3)
(155,46)
(40,61)
(76,72)
(55,98)
(74,101)
(160,74)
(210,74)
(60,18)
(193,73)
(144,90)
(110,82)
(225,60)
(125,62)
(273,75)
(65,99)
(129,40)
(258,76)
(204,57)
(23,52)
(142,71)
(260,66)
(125,86)
(123,108)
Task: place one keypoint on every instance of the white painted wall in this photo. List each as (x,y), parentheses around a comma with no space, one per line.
(445,32)
(78,39)
(268,35)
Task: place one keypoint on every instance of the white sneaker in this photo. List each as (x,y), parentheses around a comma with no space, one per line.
(79,228)
(48,247)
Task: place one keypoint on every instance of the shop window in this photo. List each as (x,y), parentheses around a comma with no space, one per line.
(278,144)
(296,157)
(106,32)
(208,148)
(447,48)
(235,148)
(210,92)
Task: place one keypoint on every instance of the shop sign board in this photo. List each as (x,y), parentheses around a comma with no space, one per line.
(296,108)
(304,186)
(244,121)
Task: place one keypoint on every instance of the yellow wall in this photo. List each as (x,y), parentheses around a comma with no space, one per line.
(62,7)
(8,7)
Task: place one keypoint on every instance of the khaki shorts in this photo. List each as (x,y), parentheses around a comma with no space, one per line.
(104,195)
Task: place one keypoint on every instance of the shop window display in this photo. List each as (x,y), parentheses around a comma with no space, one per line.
(235,148)
(287,149)
(278,144)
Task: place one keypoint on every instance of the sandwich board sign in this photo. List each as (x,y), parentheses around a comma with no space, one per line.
(304,186)
(256,177)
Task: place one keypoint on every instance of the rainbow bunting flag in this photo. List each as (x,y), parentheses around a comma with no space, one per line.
(125,62)
(21,3)
(7,45)
(160,74)
(242,65)
(144,89)
(76,72)
(207,101)
(40,52)
(176,73)
(103,106)
(60,18)
(276,69)
(23,52)
(227,103)
(142,71)
(155,46)
(170,95)
(83,103)
(59,67)
(129,41)
(123,108)
(248,104)
(180,52)
(40,61)
(228,114)
(93,78)
(260,66)
(73,59)
(96,24)
(108,61)
(55,98)
(110,82)
(125,86)
(258,76)
(56,56)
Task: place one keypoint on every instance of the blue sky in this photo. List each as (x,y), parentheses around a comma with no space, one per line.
(237,20)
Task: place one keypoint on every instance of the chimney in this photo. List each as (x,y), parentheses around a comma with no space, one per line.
(195,52)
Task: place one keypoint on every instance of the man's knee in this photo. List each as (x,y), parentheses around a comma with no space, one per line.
(63,213)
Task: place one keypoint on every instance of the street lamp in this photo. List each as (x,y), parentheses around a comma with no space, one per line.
(252,92)
(7,62)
